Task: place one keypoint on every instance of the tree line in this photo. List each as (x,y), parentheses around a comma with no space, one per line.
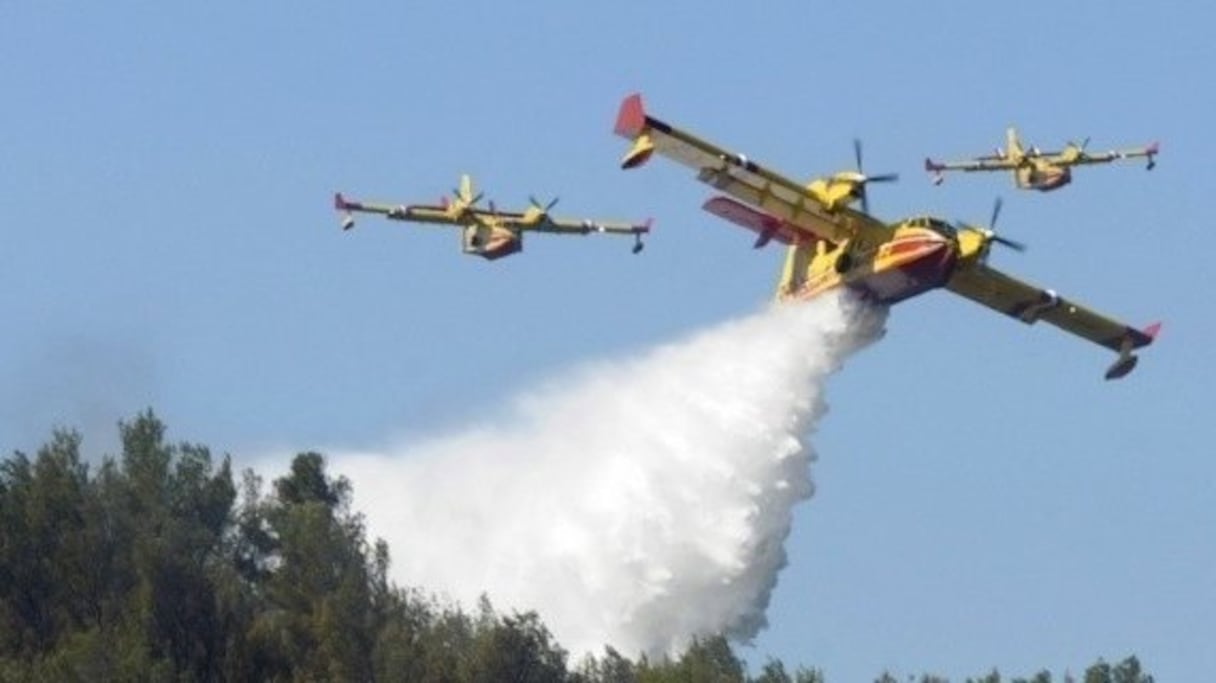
(159,564)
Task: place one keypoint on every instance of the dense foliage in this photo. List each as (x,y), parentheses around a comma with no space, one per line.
(157,565)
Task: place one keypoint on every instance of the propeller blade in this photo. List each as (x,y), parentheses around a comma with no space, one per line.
(989,232)
(1079,146)
(1012,244)
(543,208)
(882,178)
(862,195)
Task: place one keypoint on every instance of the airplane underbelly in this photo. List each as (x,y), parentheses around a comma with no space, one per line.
(907,277)
(501,249)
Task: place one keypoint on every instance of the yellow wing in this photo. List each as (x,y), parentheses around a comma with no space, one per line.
(1017,299)
(1077,156)
(532,220)
(741,178)
(535,221)
(985,163)
(571,226)
(418,213)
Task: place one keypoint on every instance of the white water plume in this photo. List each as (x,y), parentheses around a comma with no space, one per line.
(636,504)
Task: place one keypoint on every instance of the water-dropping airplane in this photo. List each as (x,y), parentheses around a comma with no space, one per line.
(831,243)
(489,233)
(1034,169)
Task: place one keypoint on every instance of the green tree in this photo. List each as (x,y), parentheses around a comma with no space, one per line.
(707,659)
(612,667)
(180,507)
(516,648)
(1126,671)
(318,622)
(45,553)
(1099,672)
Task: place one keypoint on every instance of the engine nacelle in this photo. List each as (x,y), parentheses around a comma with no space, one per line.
(1047,301)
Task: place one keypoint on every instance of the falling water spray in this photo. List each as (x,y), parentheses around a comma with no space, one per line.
(636,503)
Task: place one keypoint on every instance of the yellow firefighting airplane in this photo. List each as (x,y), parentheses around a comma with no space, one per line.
(1034,169)
(831,244)
(488,233)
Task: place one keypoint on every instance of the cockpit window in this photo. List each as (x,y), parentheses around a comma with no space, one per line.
(935,224)
(941,227)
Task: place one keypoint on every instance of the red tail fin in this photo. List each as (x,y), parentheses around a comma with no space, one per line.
(631,118)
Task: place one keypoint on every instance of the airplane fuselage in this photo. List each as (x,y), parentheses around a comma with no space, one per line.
(920,256)
(490,241)
(1041,175)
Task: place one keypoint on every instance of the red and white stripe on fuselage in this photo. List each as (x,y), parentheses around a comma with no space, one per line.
(908,265)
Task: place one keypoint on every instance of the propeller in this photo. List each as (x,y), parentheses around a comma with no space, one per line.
(989,232)
(864,179)
(1081,147)
(543,208)
(471,202)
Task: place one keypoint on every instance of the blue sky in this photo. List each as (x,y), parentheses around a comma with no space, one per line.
(984,498)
